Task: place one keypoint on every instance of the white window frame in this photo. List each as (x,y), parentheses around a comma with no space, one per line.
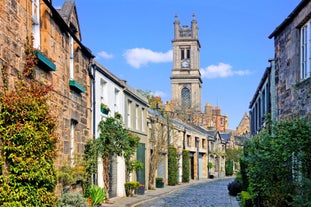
(305,51)
(143,129)
(71,59)
(129,114)
(72,142)
(35,16)
(137,117)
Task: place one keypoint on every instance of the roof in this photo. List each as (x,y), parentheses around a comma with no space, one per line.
(262,81)
(289,19)
(63,25)
(226,136)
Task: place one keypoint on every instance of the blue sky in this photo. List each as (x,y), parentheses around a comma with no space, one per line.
(132,39)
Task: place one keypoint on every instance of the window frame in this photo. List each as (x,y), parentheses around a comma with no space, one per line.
(305,50)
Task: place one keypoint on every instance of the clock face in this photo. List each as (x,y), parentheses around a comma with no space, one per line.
(185,64)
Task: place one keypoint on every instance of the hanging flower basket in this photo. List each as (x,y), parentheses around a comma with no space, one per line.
(104,108)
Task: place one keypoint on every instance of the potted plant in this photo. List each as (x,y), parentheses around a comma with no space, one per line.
(130,188)
(104,108)
(141,189)
(159,183)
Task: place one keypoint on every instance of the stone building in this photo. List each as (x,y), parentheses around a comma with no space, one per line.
(262,106)
(62,62)
(120,98)
(244,127)
(292,55)
(186,79)
(135,120)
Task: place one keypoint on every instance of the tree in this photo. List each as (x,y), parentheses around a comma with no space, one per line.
(158,145)
(28,140)
(114,140)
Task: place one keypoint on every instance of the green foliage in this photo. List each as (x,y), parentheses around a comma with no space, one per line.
(185,166)
(97,194)
(130,187)
(210,165)
(68,175)
(276,160)
(172,166)
(27,143)
(114,140)
(233,154)
(303,196)
(90,161)
(72,200)
(229,167)
(246,199)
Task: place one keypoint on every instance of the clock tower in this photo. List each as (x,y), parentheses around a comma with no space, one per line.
(186,79)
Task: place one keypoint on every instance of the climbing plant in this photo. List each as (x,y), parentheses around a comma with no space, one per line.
(114,140)
(27,141)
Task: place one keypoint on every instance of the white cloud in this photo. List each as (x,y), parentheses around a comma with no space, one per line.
(221,70)
(105,55)
(137,57)
(159,93)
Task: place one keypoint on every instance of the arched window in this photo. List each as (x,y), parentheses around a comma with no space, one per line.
(186,98)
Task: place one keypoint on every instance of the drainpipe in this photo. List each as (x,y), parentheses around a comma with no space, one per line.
(91,70)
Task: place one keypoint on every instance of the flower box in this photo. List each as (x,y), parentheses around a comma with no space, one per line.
(140,190)
(104,108)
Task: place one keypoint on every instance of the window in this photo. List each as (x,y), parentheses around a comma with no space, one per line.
(35,16)
(72,141)
(143,120)
(188,140)
(186,98)
(305,53)
(188,53)
(116,99)
(103,90)
(184,53)
(129,116)
(71,60)
(137,117)
(203,143)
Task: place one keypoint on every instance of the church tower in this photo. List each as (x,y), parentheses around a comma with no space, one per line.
(186,79)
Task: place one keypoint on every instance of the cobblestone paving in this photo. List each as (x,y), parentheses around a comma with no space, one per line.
(209,194)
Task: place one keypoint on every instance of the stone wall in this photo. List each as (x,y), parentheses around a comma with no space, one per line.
(292,94)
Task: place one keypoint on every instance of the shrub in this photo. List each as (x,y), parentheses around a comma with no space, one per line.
(130,187)
(229,167)
(185,166)
(246,199)
(72,200)
(172,166)
(97,194)
(234,188)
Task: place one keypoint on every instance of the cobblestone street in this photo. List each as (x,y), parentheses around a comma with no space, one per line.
(207,194)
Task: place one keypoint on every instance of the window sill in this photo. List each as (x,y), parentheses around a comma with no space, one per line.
(76,86)
(45,62)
